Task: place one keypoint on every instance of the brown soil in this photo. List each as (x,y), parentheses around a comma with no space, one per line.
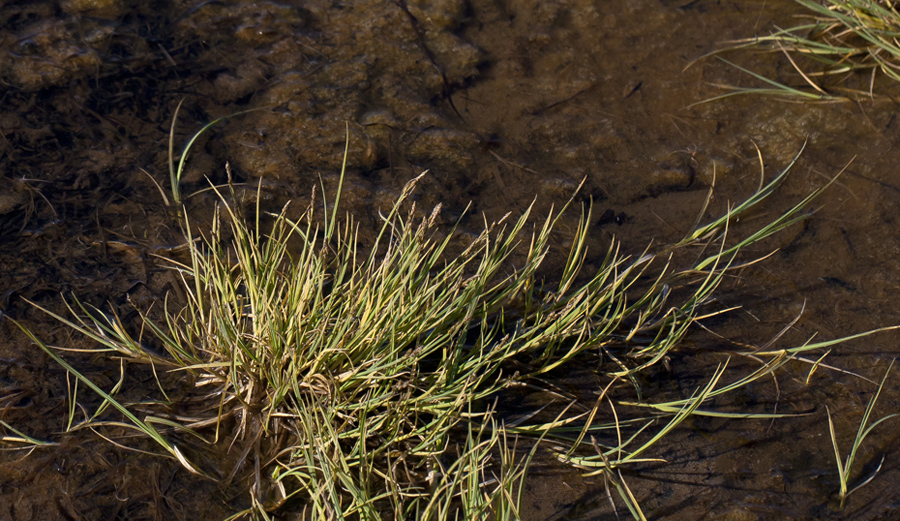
(502,100)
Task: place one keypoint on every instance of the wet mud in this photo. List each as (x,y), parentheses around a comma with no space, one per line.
(503,101)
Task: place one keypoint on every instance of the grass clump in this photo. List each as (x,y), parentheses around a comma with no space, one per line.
(839,39)
(357,384)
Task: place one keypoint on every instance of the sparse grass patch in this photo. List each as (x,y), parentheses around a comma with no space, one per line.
(837,40)
(846,467)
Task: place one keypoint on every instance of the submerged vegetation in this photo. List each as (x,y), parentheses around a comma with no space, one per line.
(837,41)
(350,382)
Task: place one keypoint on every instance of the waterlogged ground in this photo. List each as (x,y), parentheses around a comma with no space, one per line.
(503,101)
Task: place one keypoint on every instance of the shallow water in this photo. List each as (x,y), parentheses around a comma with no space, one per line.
(502,101)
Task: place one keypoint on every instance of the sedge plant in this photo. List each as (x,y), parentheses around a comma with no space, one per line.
(357,383)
